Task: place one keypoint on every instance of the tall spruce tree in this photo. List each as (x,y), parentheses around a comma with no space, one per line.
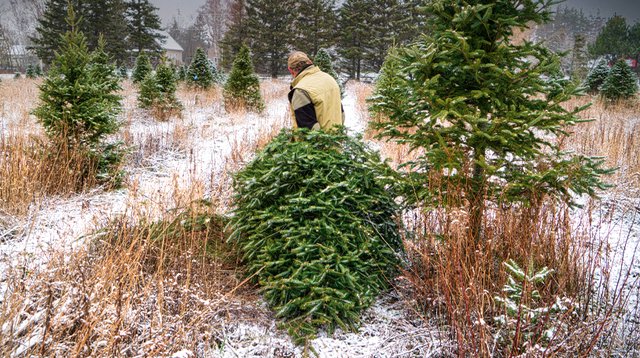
(51,26)
(242,89)
(237,33)
(270,32)
(479,108)
(144,24)
(355,35)
(579,69)
(106,18)
(613,39)
(621,82)
(78,98)
(98,17)
(199,73)
(314,26)
(385,30)
(142,68)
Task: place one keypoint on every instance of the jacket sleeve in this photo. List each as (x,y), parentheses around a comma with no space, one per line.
(303,109)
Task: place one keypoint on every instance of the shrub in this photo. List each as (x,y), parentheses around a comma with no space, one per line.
(621,82)
(142,68)
(596,77)
(314,219)
(242,89)
(199,73)
(158,92)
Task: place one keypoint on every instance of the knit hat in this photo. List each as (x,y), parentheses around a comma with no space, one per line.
(298,59)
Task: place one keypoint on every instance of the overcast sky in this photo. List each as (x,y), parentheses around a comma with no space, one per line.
(185,10)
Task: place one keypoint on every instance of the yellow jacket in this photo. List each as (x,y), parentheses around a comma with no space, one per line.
(315,100)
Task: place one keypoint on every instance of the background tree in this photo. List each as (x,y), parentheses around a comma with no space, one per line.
(142,68)
(144,24)
(242,89)
(314,26)
(579,67)
(385,29)
(270,32)
(596,77)
(51,26)
(486,130)
(613,40)
(236,34)
(106,18)
(199,73)
(621,82)
(211,24)
(354,25)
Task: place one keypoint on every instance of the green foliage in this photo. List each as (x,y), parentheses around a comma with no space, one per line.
(31,71)
(182,73)
(596,77)
(142,68)
(158,92)
(242,88)
(315,220)
(199,74)
(482,111)
(315,22)
(323,61)
(78,96)
(144,24)
(621,83)
(122,72)
(528,324)
(612,41)
(17,76)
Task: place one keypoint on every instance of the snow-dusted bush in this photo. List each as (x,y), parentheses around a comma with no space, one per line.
(621,82)
(315,221)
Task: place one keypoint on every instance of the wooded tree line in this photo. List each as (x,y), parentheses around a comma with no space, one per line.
(126,25)
(358,32)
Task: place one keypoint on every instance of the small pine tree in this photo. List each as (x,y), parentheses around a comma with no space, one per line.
(79,103)
(17,76)
(323,61)
(31,72)
(182,73)
(122,72)
(596,77)
(142,68)
(621,83)
(199,74)
(158,92)
(243,85)
(38,70)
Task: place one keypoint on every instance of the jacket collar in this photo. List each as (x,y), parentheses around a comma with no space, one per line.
(307,71)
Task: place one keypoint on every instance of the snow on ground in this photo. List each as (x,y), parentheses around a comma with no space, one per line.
(194,153)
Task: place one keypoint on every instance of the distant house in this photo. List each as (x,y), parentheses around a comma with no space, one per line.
(172,49)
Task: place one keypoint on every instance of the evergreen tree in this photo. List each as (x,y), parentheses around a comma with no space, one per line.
(621,83)
(158,92)
(386,25)
(199,73)
(141,68)
(596,77)
(31,71)
(579,68)
(106,18)
(51,26)
(323,61)
(95,17)
(78,98)
(270,31)
(480,109)
(314,25)
(236,35)
(182,73)
(144,25)
(242,88)
(354,24)
(613,39)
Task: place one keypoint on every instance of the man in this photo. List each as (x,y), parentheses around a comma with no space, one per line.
(314,96)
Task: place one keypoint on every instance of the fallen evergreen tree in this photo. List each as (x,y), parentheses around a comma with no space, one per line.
(315,220)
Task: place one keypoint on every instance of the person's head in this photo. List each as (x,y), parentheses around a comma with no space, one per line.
(297,62)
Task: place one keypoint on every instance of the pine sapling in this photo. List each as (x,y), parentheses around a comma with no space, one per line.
(242,89)
(141,68)
(621,82)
